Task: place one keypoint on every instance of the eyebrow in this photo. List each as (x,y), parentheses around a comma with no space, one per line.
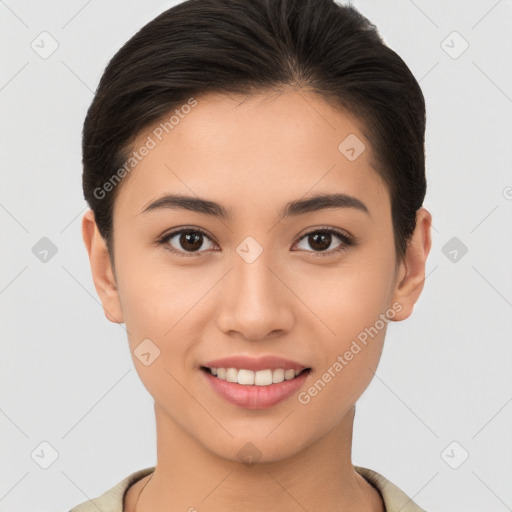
(291,209)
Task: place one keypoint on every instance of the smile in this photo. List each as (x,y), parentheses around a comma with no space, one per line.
(263,393)
(254,378)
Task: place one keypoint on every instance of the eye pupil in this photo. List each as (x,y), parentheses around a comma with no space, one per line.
(320,240)
(192,238)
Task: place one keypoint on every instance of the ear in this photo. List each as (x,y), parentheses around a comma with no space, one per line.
(102,273)
(411,273)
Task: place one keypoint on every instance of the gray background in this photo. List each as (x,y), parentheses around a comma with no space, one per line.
(67,378)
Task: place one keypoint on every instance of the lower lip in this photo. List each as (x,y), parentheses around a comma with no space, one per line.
(256,397)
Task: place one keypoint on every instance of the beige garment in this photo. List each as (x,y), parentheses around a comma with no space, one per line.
(394,499)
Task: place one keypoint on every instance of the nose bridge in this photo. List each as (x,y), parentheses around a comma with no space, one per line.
(254,281)
(254,302)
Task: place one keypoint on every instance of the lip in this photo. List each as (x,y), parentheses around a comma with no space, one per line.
(255,397)
(255,364)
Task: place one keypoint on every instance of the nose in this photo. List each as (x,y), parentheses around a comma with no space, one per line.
(255,301)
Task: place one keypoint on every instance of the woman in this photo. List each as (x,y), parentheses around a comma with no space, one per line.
(255,172)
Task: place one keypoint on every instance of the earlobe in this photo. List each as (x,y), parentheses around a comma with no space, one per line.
(411,275)
(101,268)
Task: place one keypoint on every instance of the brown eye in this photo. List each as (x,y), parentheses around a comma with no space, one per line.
(321,239)
(191,240)
(185,241)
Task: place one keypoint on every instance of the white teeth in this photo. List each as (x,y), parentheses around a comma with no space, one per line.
(258,378)
(289,374)
(231,374)
(262,377)
(278,376)
(246,377)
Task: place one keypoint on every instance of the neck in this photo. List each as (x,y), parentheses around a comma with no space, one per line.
(188,477)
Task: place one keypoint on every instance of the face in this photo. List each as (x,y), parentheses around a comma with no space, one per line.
(315,285)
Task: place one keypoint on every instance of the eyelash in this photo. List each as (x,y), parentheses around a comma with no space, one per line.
(347,240)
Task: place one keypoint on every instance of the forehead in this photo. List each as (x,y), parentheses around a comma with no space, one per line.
(253,151)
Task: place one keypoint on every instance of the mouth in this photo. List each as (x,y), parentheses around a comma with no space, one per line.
(264,377)
(255,389)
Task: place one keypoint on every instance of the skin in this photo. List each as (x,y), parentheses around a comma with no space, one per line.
(253,155)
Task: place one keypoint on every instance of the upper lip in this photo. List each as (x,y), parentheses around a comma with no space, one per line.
(255,364)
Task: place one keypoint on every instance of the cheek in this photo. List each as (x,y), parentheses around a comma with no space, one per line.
(347,299)
(162,308)
(155,315)
(351,352)
(153,297)
(351,303)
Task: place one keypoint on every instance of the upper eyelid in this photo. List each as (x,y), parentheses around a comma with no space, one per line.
(173,233)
